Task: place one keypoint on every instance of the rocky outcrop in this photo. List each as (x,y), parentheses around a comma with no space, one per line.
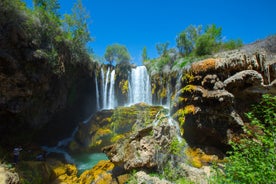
(141,150)
(142,177)
(211,106)
(37,91)
(109,126)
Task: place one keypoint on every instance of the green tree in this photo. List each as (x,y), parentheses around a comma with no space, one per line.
(162,48)
(232,44)
(51,6)
(209,41)
(144,54)
(117,53)
(76,26)
(186,40)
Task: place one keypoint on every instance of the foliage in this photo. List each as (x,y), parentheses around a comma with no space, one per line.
(253,157)
(209,41)
(76,26)
(117,53)
(176,146)
(232,44)
(144,54)
(51,6)
(186,40)
(162,48)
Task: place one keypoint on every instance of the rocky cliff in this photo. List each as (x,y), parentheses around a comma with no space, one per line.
(35,90)
(215,93)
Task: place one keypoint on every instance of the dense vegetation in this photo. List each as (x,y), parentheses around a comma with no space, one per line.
(51,32)
(193,43)
(117,53)
(254,156)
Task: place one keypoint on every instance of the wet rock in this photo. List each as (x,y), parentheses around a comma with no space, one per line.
(142,177)
(140,150)
(100,173)
(109,126)
(8,176)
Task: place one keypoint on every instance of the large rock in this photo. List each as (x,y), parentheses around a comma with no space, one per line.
(109,126)
(210,106)
(142,148)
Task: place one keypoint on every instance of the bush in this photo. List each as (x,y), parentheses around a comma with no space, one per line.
(253,157)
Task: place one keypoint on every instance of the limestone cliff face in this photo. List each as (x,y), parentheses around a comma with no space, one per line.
(35,91)
(215,93)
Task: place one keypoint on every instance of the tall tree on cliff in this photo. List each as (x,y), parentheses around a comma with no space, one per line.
(144,54)
(162,48)
(117,53)
(186,40)
(51,6)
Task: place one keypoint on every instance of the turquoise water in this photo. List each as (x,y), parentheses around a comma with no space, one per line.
(87,161)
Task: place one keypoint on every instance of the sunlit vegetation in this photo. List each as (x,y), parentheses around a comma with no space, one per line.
(53,35)
(117,53)
(252,159)
(192,44)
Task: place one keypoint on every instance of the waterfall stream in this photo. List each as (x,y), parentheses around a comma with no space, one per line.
(139,85)
(139,88)
(97,93)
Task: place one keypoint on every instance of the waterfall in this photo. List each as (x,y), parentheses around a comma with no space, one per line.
(97,92)
(102,86)
(168,103)
(108,89)
(111,99)
(139,86)
(105,89)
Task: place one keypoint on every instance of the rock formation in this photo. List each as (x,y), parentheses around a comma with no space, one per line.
(217,92)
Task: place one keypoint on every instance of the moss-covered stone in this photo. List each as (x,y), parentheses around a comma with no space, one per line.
(198,158)
(99,174)
(109,126)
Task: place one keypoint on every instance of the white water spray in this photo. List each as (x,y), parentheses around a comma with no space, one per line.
(139,86)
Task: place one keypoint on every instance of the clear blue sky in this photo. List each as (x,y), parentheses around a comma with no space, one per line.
(139,23)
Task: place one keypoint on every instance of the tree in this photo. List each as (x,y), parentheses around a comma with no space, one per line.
(51,6)
(117,53)
(145,54)
(232,44)
(186,40)
(162,48)
(76,24)
(209,41)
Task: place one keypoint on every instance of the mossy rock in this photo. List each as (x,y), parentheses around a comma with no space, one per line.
(100,173)
(109,126)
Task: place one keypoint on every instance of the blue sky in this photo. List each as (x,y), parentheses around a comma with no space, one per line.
(139,23)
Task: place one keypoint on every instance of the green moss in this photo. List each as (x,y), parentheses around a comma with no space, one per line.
(188,88)
(188,78)
(124,86)
(163,93)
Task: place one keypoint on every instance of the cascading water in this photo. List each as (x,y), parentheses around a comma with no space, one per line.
(105,89)
(111,100)
(97,93)
(108,89)
(102,87)
(139,86)
(168,103)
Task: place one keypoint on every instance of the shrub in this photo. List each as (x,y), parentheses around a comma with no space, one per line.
(253,157)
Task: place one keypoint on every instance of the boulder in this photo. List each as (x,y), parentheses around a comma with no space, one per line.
(109,126)
(141,149)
